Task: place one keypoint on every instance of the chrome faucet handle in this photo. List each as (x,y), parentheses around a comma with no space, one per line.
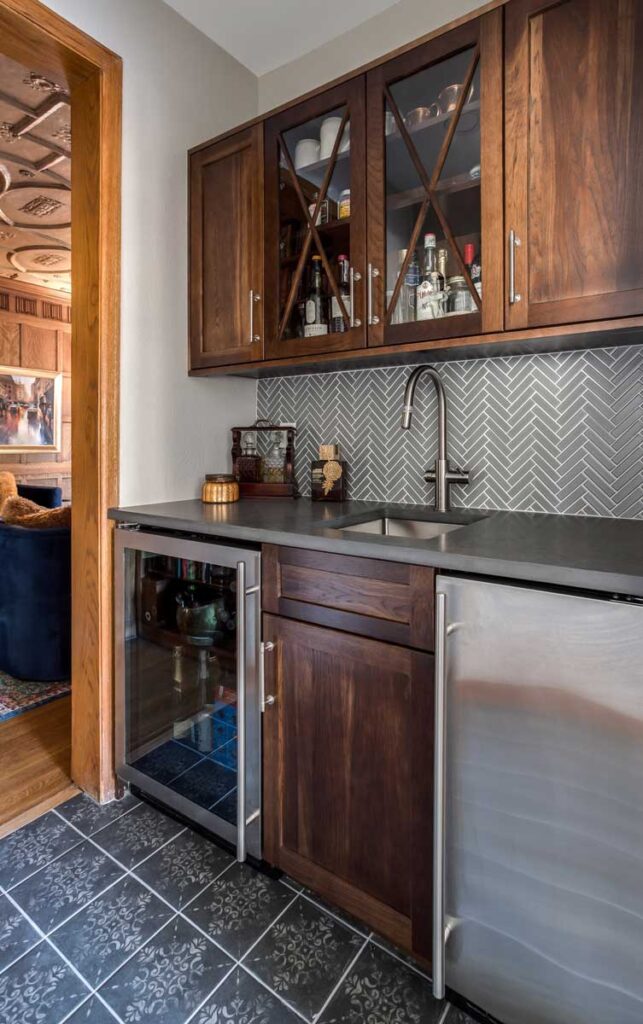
(457,476)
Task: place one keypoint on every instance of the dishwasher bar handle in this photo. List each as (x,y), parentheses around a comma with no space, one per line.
(439,796)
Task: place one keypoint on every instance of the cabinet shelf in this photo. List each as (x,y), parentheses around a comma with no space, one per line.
(414,196)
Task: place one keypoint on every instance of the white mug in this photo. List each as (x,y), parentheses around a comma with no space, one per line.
(306,152)
(327,135)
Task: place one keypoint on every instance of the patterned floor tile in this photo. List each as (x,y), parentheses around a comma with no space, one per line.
(167,761)
(184,867)
(242,1000)
(457,1016)
(238,907)
(59,889)
(204,784)
(98,940)
(16,934)
(92,1012)
(345,918)
(303,956)
(401,954)
(379,989)
(39,989)
(168,978)
(32,846)
(138,834)
(88,816)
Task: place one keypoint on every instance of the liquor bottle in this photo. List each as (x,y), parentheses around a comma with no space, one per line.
(409,289)
(474,266)
(429,284)
(337,322)
(316,314)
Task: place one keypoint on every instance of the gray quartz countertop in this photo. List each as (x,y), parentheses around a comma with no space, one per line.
(570,551)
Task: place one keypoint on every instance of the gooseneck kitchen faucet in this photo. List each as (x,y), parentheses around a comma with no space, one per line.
(441,475)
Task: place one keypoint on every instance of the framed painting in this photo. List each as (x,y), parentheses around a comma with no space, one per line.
(30,410)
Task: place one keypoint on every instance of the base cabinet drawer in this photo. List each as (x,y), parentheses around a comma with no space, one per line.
(370,597)
(348,765)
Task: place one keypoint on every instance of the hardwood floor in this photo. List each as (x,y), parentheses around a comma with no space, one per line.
(35,757)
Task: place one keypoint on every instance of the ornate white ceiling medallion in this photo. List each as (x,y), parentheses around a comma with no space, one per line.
(41,84)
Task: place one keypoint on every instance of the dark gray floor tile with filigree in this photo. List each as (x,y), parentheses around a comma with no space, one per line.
(345,918)
(379,989)
(137,835)
(238,907)
(99,939)
(242,1000)
(457,1016)
(88,816)
(39,989)
(164,763)
(401,954)
(184,867)
(206,783)
(16,934)
(92,1012)
(303,956)
(63,887)
(32,846)
(168,978)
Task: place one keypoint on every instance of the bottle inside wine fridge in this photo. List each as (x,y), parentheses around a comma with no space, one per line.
(316,312)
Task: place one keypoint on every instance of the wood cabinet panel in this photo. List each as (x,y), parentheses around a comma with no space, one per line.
(9,344)
(38,347)
(226,250)
(345,773)
(384,600)
(574,158)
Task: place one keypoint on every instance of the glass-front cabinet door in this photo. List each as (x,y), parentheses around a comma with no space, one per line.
(316,224)
(435,236)
(188,714)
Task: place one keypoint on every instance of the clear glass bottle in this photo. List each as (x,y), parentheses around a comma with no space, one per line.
(274,463)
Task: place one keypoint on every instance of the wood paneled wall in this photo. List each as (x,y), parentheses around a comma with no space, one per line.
(35,332)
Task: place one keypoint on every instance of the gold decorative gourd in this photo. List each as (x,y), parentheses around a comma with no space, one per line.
(219,488)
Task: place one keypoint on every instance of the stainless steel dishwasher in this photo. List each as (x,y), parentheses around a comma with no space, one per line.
(538,874)
(187,623)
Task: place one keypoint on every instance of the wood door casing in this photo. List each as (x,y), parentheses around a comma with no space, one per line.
(574,159)
(226,250)
(343,755)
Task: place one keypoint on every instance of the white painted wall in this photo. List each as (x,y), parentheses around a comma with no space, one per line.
(179,89)
(400,24)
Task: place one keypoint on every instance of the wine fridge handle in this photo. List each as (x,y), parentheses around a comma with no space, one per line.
(241,711)
(514,242)
(439,796)
(373,320)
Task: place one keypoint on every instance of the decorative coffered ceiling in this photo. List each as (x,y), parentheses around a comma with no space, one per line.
(35,176)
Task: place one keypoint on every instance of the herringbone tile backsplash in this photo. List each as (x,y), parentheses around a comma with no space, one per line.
(540,433)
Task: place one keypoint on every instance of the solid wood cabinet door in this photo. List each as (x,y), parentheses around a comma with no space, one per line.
(226,251)
(348,767)
(435,190)
(574,160)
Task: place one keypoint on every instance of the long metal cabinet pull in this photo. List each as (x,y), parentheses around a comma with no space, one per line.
(353,276)
(266,702)
(254,297)
(372,272)
(514,242)
(241,711)
(439,773)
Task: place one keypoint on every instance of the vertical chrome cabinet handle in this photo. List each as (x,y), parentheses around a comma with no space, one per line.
(514,242)
(439,779)
(372,272)
(266,702)
(353,276)
(241,711)
(254,297)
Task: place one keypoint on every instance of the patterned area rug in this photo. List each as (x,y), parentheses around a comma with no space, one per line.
(18,695)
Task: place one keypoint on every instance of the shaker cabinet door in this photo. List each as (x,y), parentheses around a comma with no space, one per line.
(226,251)
(434,133)
(347,770)
(573,161)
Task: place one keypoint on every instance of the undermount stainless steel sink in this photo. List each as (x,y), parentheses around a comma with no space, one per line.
(416,529)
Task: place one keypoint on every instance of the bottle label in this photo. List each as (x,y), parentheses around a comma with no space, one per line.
(335,310)
(311,311)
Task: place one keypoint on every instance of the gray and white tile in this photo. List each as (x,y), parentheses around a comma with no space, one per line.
(92,1012)
(99,939)
(63,887)
(16,934)
(31,847)
(183,867)
(238,907)
(39,989)
(168,978)
(88,817)
(303,956)
(242,1000)
(137,835)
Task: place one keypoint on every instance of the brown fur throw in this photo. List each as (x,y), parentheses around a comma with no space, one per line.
(18,511)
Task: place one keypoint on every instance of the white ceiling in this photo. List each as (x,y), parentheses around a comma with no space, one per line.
(264,34)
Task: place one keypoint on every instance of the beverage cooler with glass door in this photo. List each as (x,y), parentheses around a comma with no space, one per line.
(188,679)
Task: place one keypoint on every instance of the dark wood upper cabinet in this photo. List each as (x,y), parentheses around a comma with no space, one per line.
(348,762)
(314,159)
(226,251)
(434,156)
(574,160)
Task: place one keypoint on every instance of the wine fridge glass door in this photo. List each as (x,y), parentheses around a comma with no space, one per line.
(188,715)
